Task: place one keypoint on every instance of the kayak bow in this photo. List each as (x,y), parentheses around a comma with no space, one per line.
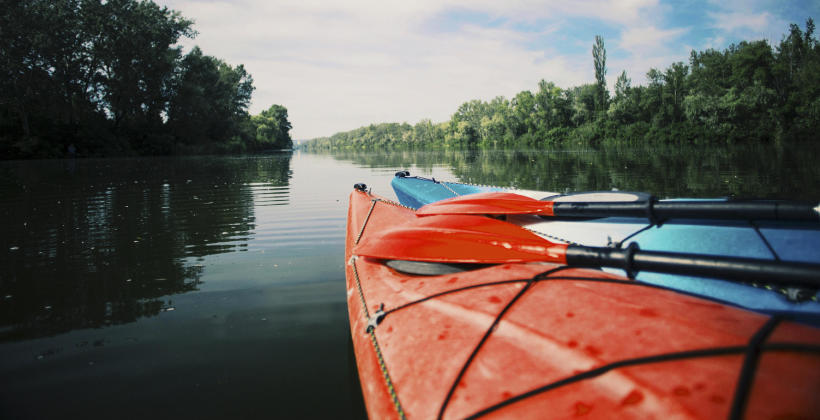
(546,340)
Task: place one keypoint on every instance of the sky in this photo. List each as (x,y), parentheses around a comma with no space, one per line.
(339,65)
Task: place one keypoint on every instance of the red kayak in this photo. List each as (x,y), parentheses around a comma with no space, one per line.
(494,339)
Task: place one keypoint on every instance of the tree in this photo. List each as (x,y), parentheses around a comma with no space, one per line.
(522,113)
(136,57)
(624,107)
(796,74)
(551,108)
(583,103)
(599,61)
(675,90)
(424,132)
(273,128)
(46,74)
(622,86)
(109,77)
(210,100)
(710,72)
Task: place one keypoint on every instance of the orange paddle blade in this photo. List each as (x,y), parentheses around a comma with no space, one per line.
(460,239)
(488,203)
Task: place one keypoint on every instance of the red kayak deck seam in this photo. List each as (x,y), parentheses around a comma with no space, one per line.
(747,372)
(493,326)
(372,332)
(690,354)
(370,212)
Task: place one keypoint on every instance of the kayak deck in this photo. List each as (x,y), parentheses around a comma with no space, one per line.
(786,241)
(547,341)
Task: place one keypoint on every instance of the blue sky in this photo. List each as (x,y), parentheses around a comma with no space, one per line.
(339,65)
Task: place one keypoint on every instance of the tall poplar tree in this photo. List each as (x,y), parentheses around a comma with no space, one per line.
(599,61)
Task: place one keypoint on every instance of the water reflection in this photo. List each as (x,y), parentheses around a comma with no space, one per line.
(90,243)
(760,171)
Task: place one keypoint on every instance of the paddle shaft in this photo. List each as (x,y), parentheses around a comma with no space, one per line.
(662,210)
(657,211)
(729,268)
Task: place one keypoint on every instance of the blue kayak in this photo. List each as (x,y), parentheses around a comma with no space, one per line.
(787,241)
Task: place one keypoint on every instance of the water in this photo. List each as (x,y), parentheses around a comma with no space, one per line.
(209,287)
(213,287)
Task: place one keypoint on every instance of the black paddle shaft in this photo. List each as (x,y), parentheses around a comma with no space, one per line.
(662,210)
(633,260)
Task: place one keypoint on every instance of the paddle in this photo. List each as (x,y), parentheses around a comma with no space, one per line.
(509,203)
(471,239)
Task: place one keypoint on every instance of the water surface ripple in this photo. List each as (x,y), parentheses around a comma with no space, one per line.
(213,287)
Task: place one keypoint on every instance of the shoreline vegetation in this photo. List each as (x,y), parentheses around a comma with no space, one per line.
(748,93)
(107,78)
(742,171)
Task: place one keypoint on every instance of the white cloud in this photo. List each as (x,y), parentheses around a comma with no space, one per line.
(648,39)
(340,65)
(647,47)
(622,12)
(741,21)
(718,43)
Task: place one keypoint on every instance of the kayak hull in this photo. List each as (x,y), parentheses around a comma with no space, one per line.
(549,341)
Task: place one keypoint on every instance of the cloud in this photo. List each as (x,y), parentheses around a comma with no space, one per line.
(717,43)
(422,77)
(622,12)
(337,66)
(752,20)
(648,39)
(741,21)
(340,65)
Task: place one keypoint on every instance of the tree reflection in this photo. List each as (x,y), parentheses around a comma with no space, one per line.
(755,171)
(92,243)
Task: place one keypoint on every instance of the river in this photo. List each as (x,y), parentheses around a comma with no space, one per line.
(213,287)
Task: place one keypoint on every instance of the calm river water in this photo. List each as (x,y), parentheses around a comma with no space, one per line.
(213,287)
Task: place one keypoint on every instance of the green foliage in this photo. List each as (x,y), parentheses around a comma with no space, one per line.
(748,93)
(273,128)
(599,62)
(106,78)
(210,100)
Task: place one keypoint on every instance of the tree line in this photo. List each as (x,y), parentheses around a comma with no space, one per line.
(750,92)
(96,77)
